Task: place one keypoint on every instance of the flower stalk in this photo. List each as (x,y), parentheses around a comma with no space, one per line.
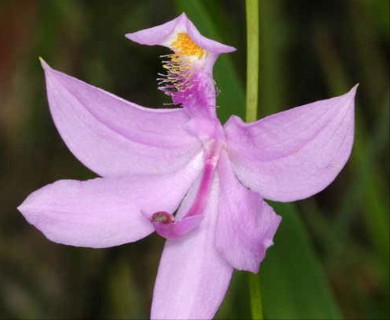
(252,84)
(252,73)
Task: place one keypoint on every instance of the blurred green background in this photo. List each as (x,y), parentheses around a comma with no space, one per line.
(331,254)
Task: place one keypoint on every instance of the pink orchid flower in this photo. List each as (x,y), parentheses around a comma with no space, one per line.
(153,162)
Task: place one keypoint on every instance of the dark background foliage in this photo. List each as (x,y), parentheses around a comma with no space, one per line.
(331,257)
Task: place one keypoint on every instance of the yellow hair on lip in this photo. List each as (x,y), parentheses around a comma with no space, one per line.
(185,46)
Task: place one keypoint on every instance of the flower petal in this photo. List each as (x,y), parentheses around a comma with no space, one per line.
(165,33)
(192,278)
(105,212)
(294,154)
(246,224)
(179,228)
(114,137)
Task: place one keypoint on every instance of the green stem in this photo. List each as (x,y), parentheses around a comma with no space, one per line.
(252,68)
(256,304)
(252,83)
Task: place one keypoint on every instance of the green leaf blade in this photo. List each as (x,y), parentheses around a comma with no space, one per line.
(293,282)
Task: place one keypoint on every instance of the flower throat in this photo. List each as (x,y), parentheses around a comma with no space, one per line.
(180,78)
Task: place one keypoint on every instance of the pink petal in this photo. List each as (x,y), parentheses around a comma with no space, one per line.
(293,154)
(192,278)
(165,33)
(114,137)
(246,224)
(105,212)
(179,228)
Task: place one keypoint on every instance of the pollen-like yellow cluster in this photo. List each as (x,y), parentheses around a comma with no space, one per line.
(185,46)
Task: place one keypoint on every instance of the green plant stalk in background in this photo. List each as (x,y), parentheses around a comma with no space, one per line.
(252,62)
(252,86)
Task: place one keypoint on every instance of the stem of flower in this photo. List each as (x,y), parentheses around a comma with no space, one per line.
(252,83)
(255,293)
(252,67)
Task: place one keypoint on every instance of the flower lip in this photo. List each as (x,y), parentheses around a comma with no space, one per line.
(186,47)
(164,34)
(187,77)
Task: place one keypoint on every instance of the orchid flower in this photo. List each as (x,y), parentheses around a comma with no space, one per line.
(154,162)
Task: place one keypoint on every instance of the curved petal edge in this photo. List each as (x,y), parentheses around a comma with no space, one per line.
(293,154)
(114,137)
(105,212)
(165,33)
(246,224)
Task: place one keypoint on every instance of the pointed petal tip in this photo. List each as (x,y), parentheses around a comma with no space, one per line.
(134,36)
(26,210)
(23,207)
(228,49)
(129,36)
(354,89)
(20,208)
(351,95)
(182,17)
(43,63)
